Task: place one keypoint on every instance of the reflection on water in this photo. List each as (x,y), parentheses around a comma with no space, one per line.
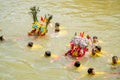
(95,17)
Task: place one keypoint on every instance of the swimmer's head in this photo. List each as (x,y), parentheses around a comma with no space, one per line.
(91,71)
(57,27)
(98,48)
(1,38)
(95,39)
(30,44)
(47,54)
(77,64)
(114,59)
(88,36)
(57,24)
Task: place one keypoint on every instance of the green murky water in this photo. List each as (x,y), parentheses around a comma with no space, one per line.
(94,17)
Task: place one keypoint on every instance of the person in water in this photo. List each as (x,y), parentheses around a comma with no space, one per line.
(95,40)
(96,49)
(115,60)
(47,54)
(91,71)
(2,38)
(30,44)
(57,25)
(77,64)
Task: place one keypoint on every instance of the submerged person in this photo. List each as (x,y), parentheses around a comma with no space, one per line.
(91,71)
(96,51)
(2,38)
(57,25)
(115,60)
(30,44)
(34,46)
(47,54)
(95,40)
(77,64)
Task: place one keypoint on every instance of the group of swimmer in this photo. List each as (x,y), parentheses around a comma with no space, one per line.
(79,45)
(78,48)
(75,45)
(84,43)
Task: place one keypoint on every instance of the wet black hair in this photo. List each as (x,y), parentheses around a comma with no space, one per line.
(57,24)
(1,38)
(114,59)
(30,44)
(77,64)
(90,70)
(47,54)
(57,27)
(95,37)
(88,36)
(98,47)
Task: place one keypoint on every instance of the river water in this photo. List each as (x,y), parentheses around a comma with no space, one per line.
(94,17)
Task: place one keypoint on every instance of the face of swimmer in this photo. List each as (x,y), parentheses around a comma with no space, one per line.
(97,49)
(95,39)
(114,59)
